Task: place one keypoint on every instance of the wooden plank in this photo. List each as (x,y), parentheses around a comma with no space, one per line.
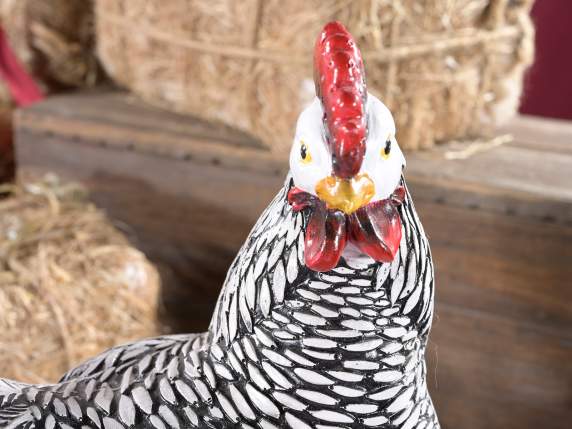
(487,371)
(502,264)
(511,178)
(111,119)
(488,199)
(123,110)
(544,134)
(504,179)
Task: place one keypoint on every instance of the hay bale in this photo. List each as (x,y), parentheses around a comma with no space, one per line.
(54,39)
(70,283)
(445,68)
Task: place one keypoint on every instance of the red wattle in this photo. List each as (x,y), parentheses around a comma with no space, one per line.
(325,238)
(300,199)
(376,230)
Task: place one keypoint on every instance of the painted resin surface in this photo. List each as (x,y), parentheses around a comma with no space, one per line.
(323,318)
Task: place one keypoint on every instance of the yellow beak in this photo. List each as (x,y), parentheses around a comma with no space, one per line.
(346,195)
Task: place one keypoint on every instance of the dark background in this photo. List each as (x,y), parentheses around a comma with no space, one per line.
(548,85)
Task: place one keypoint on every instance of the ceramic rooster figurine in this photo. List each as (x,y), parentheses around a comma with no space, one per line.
(323,318)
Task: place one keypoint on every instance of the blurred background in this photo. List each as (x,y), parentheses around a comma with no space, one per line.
(140,141)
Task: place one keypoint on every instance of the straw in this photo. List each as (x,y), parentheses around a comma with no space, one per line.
(449,70)
(71,286)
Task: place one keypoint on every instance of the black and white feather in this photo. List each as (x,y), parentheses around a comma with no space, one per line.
(287,348)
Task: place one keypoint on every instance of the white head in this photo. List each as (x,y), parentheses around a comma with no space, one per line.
(311,160)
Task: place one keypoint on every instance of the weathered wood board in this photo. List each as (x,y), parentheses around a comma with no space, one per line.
(500,226)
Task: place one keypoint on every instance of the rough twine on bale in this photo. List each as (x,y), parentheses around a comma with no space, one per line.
(70,284)
(448,69)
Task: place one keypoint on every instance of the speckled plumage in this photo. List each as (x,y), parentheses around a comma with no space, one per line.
(287,347)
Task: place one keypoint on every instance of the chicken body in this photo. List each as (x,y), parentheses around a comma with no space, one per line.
(287,347)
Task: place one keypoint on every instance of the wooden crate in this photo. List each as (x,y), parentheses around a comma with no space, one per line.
(500,225)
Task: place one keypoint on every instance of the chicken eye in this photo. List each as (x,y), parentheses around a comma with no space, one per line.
(305,153)
(386,149)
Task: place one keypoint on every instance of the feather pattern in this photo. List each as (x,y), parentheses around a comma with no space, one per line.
(287,347)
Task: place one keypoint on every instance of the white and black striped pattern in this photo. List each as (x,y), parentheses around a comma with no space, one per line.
(287,347)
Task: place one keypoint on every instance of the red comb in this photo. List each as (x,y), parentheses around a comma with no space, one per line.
(340,83)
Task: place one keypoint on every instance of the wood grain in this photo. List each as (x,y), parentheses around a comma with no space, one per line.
(500,226)
(488,371)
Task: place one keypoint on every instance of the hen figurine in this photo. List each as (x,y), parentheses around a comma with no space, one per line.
(323,318)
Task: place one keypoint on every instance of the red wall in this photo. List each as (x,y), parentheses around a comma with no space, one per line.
(548,85)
